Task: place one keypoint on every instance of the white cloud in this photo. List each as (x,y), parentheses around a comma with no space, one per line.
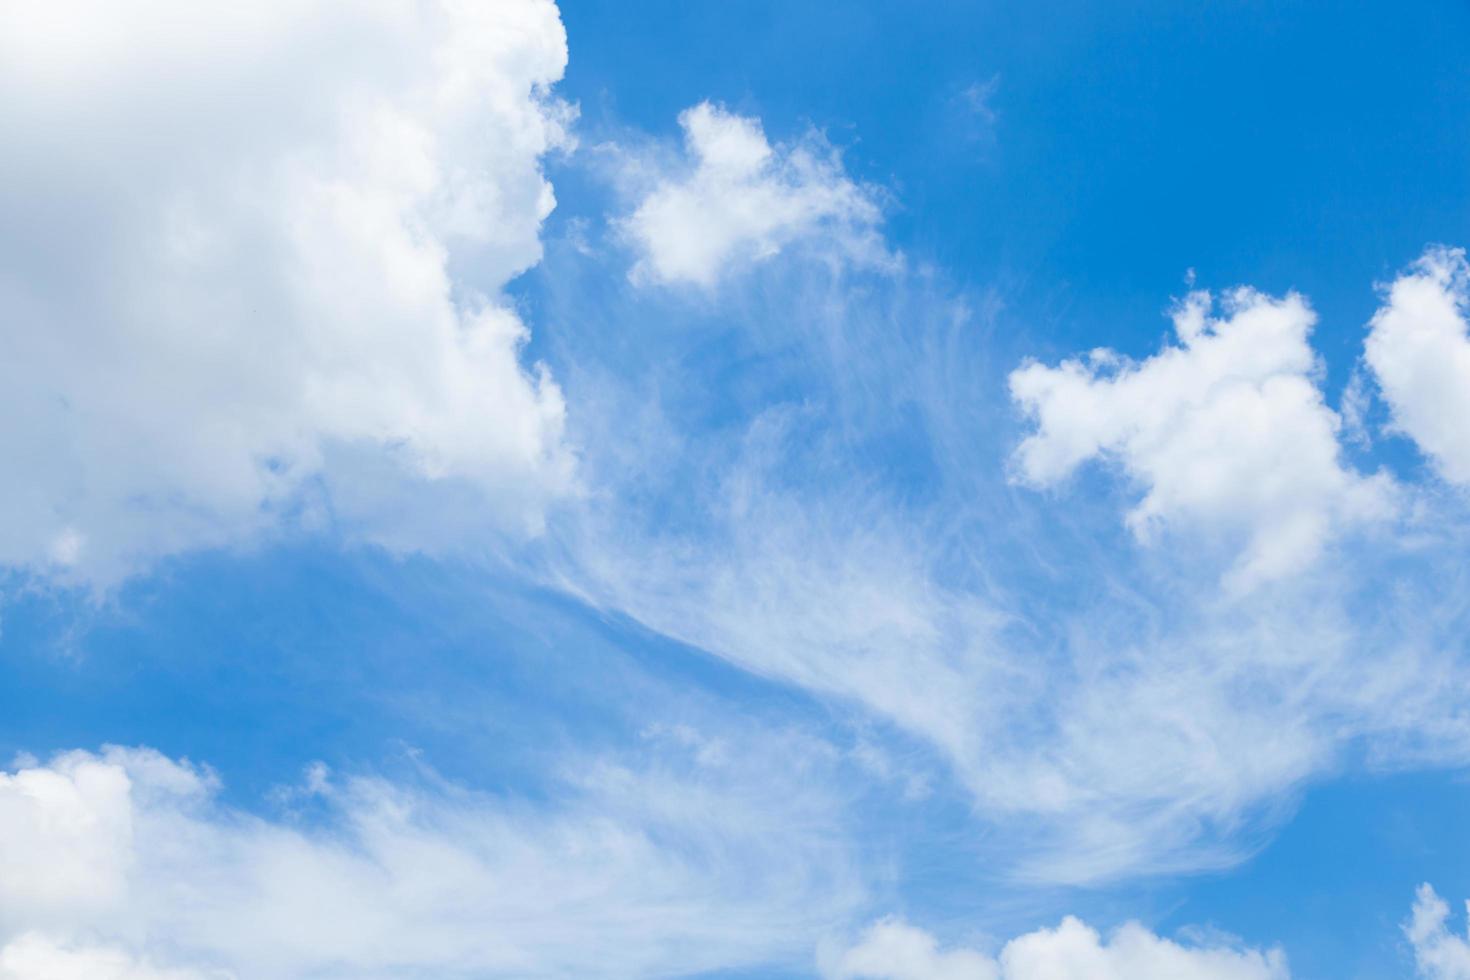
(1438,953)
(1419,351)
(699,858)
(76,825)
(248,250)
(737,200)
(843,607)
(36,957)
(895,950)
(1092,708)
(1226,432)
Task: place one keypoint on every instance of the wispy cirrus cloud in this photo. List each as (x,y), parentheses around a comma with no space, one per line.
(846,525)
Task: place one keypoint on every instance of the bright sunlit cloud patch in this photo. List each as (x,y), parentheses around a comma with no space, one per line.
(737,200)
(1418,351)
(237,245)
(1228,429)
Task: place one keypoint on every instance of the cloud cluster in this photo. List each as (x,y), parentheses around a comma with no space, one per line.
(737,200)
(846,525)
(211,328)
(301,317)
(126,864)
(1227,431)
(894,950)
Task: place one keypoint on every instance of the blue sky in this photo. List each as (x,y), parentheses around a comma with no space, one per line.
(734,490)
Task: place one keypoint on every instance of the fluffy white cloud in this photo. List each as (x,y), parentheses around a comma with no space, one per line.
(737,200)
(1226,431)
(36,957)
(1418,349)
(1438,953)
(700,858)
(895,950)
(248,253)
(76,825)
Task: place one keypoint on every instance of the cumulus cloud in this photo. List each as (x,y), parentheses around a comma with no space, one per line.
(36,957)
(894,950)
(737,200)
(1438,953)
(1226,431)
(1419,351)
(699,858)
(250,254)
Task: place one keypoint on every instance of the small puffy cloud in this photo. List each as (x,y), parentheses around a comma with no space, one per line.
(895,950)
(1225,431)
(737,200)
(1438,953)
(1419,351)
(126,864)
(251,263)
